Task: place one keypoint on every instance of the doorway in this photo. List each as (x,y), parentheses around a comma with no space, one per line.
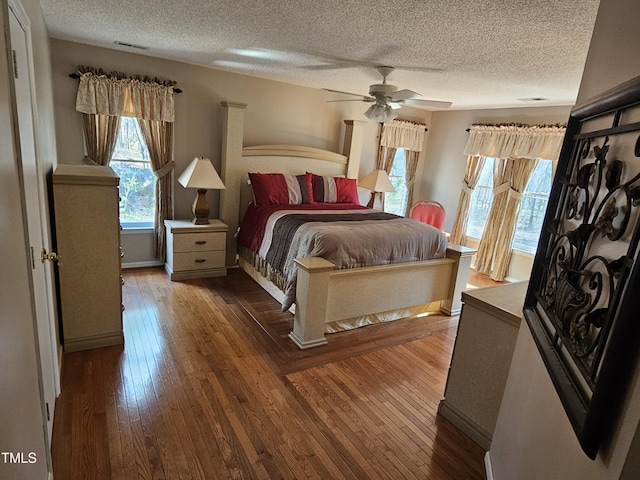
(35,208)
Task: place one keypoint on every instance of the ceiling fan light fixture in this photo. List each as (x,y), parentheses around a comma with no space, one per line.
(380,113)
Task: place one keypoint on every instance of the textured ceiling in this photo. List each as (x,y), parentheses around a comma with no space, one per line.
(474,53)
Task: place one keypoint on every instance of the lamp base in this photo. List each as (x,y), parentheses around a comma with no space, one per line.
(200,208)
(372,200)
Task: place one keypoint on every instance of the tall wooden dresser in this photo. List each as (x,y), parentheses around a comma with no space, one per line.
(87,233)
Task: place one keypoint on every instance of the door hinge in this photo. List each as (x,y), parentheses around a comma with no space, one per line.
(15,64)
(33,260)
(48,414)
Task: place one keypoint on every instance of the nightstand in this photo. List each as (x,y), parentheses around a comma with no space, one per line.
(195,251)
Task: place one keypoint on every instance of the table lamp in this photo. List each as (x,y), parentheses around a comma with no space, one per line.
(376,181)
(202,175)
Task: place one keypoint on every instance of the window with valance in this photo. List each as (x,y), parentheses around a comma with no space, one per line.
(401,141)
(103,99)
(514,154)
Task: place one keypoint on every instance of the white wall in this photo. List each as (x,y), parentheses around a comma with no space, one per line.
(533,438)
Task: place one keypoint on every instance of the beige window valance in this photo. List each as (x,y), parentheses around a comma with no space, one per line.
(516,141)
(403,134)
(116,95)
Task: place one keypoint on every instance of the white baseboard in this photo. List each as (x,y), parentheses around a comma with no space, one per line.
(488,469)
(150,263)
(93,341)
(464,423)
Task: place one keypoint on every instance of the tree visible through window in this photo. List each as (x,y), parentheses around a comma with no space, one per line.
(131,163)
(395,202)
(532,207)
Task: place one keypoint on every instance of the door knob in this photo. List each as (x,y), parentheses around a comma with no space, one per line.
(52,257)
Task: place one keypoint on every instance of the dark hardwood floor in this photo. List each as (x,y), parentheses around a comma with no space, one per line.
(208,387)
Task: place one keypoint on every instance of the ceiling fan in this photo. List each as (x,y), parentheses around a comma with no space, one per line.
(386,98)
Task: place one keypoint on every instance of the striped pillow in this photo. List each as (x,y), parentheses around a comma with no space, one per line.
(334,189)
(281,189)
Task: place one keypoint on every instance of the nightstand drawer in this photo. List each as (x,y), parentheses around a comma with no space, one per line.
(198,260)
(196,251)
(199,241)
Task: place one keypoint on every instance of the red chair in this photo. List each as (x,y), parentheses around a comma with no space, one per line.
(430,212)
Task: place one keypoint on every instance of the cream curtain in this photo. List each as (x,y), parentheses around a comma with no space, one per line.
(116,95)
(472,176)
(486,249)
(103,99)
(517,141)
(100,135)
(522,170)
(517,150)
(411,166)
(159,139)
(401,134)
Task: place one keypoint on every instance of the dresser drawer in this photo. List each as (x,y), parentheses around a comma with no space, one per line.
(198,260)
(199,241)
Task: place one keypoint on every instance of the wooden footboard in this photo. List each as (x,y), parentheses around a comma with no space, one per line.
(325,295)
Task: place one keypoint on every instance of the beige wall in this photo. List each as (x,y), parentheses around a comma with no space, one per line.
(21,420)
(533,438)
(276,112)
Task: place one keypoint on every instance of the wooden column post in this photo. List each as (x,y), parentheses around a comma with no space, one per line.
(352,148)
(311,302)
(231,157)
(453,304)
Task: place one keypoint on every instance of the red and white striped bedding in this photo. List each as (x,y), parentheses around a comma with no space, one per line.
(348,235)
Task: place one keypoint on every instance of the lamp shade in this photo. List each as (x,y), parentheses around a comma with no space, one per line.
(201,174)
(377,181)
(380,113)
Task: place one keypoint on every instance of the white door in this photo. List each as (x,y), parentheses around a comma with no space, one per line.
(33,180)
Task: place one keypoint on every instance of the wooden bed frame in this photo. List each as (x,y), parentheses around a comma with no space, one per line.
(325,294)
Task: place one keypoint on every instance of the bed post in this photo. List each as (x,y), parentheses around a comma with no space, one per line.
(312,293)
(230,164)
(352,148)
(459,276)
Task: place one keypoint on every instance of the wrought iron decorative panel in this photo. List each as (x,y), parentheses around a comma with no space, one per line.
(584,292)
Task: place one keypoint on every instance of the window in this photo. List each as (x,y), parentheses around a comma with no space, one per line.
(395,202)
(481,201)
(532,207)
(131,163)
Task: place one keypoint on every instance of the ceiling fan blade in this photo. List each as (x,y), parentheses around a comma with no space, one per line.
(427,103)
(394,105)
(344,93)
(404,95)
(363,98)
(353,100)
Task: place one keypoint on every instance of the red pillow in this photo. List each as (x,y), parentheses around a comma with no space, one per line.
(328,189)
(281,189)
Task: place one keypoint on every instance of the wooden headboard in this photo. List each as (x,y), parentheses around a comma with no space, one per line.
(237,161)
